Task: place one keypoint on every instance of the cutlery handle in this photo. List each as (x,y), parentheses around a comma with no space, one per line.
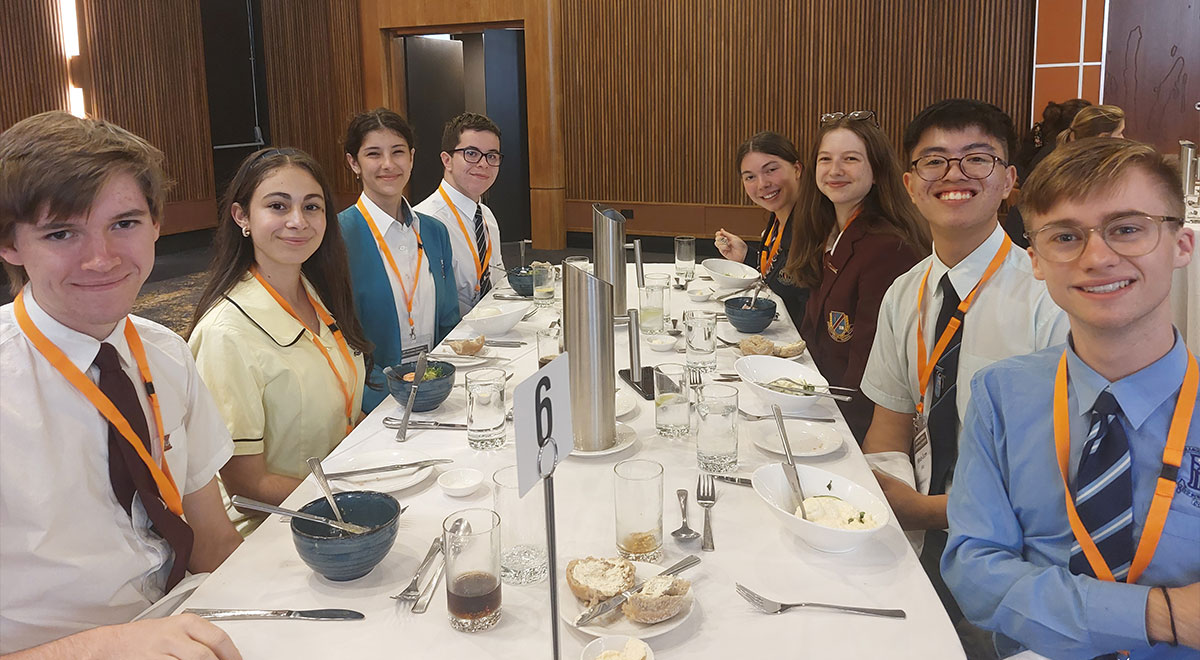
(236,615)
(868,611)
(706,542)
(422,603)
(314,466)
(434,549)
(682,494)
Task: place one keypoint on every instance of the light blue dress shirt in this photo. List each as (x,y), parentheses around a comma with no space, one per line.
(1010,540)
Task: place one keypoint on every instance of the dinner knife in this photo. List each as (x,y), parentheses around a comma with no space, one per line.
(422,603)
(602,608)
(504,343)
(222,614)
(423,424)
(418,376)
(387,468)
(741,481)
(789,468)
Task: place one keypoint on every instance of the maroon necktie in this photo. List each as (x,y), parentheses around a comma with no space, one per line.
(126,469)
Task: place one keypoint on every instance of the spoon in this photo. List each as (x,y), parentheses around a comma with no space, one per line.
(757,289)
(684,533)
(246,503)
(314,466)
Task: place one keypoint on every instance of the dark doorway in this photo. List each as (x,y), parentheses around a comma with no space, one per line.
(435,94)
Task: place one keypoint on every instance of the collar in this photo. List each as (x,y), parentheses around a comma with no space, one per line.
(847,237)
(256,302)
(384,218)
(79,348)
(464,203)
(966,273)
(1140,393)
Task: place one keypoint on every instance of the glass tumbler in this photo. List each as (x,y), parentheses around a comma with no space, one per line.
(523,535)
(671,400)
(655,303)
(714,425)
(485,408)
(685,257)
(543,285)
(472,551)
(549,345)
(638,503)
(700,335)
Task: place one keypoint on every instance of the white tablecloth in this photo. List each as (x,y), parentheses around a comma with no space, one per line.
(751,548)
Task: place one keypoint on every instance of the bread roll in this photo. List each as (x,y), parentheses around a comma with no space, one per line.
(593,580)
(661,598)
(790,350)
(756,345)
(467,346)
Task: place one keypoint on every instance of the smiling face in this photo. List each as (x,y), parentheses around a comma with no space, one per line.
(772,182)
(842,171)
(1102,291)
(958,207)
(472,179)
(286,218)
(384,163)
(87,270)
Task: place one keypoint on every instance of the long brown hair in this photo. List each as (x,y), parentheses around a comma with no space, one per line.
(328,269)
(886,208)
(1093,121)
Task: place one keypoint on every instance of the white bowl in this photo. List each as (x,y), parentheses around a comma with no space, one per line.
(493,319)
(755,369)
(610,643)
(730,274)
(698,295)
(772,486)
(460,482)
(661,343)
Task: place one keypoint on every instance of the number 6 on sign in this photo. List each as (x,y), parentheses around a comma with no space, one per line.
(542,422)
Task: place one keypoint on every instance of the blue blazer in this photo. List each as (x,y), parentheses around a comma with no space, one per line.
(373,299)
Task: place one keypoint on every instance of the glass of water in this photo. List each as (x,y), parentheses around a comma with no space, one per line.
(485,408)
(700,335)
(543,285)
(655,303)
(714,425)
(638,501)
(685,257)
(671,400)
(523,535)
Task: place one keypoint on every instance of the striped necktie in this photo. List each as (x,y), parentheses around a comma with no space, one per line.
(481,241)
(943,408)
(1104,491)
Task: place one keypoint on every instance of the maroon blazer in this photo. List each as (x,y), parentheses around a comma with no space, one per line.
(839,320)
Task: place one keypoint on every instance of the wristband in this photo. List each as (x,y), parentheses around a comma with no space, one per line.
(1171,617)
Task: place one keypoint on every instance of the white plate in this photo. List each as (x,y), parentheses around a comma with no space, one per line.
(625,437)
(570,607)
(626,403)
(444,351)
(807,438)
(387,482)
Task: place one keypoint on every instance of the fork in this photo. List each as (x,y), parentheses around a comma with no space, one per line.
(706,496)
(414,586)
(755,418)
(696,381)
(774,607)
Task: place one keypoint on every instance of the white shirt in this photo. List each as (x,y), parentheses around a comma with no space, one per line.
(464,244)
(1013,314)
(401,241)
(71,559)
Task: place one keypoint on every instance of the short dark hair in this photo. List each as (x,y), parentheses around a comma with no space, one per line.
(957,114)
(467,121)
(365,122)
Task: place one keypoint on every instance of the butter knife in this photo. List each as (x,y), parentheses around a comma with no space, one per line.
(602,608)
(388,468)
(422,603)
(741,481)
(221,614)
(418,376)
(425,424)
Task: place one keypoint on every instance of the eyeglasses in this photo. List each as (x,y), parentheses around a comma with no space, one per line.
(857,115)
(973,166)
(1129,236)
(472,155)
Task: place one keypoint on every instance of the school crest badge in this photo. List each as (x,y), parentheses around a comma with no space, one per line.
(839,327)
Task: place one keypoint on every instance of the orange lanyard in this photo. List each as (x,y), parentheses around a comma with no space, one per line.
(925,365)
(850,221)
(771,245)
(487,258)
(387,254)
(54,355)
(345,385)
(1164,488)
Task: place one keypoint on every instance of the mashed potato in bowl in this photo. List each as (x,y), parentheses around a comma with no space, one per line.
(835,512)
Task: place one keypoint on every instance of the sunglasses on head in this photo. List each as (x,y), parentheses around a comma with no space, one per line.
(857,115)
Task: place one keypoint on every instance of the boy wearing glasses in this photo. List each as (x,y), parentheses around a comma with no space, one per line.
(471,158)
(972,302)
(1075,518)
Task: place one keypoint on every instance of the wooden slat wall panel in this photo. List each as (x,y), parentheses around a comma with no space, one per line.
(658,95)
(34,75)
(314,78)
(146,64)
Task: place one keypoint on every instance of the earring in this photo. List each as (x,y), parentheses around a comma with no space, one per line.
(246,232)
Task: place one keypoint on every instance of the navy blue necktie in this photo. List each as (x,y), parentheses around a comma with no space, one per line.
(481,240)
(1104,491)
(943,407)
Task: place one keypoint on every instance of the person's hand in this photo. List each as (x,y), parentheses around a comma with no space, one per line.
(730,246)
(913,510)
(185,636)
(1185,608)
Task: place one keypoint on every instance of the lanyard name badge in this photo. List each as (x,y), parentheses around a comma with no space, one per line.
(480,263)
(771,245)
(1164,487)
(387,255)
(57,359)
(922,451)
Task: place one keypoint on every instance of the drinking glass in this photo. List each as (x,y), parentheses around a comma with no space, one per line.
(685,257)
(581,261)
(543,285)
(671,400)
(655,303)
(523,535)
(714,423)
(700,335)
(549,345)
(639,505)
(472,569)
(485,408)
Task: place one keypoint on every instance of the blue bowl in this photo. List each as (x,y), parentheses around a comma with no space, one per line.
(521,280)
(749,321)
(430,394)
(340,556)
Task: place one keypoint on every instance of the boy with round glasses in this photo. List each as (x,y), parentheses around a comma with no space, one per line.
(1075,519)
(471,158)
